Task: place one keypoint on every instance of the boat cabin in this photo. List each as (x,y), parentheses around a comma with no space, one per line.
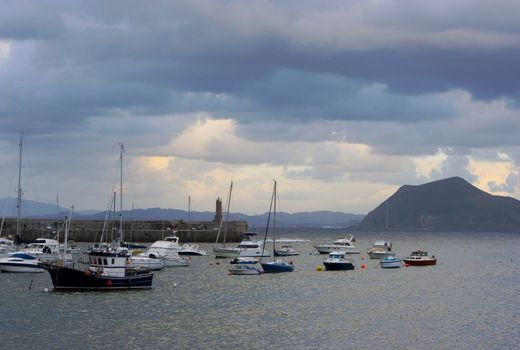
(108,263)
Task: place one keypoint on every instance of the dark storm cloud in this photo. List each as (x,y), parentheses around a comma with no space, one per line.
(284,61)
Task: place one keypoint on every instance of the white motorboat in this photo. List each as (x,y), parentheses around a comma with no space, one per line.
(337,261)
(191,249)
(44,249)
(381,249)
(244,270)
(250,248)
(226,252)
(343,244)
(168,251)
(147,262)
(6,246)
(286,250)
(244,261)
(20,262)
(389,262)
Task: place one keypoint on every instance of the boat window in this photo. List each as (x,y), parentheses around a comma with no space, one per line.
(99,261)
(113,261)
(105,262)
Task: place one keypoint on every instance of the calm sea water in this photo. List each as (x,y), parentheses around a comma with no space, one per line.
(471,299)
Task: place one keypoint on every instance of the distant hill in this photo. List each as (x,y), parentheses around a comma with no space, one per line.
(450,205)
(32,209)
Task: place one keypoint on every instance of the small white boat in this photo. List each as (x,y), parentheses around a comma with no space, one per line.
(244,270)
(226,252)
(191,249)
(381,249)
(343,244)
(244,261)
(20,262)
(286,250)
(250,248)
(143,261)
(337,261)
(6,246)
(390,262)
(168,251)
(44,249)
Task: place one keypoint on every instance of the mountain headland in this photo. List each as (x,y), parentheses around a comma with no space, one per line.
(448,205)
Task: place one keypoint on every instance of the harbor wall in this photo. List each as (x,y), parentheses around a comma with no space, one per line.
(134,231)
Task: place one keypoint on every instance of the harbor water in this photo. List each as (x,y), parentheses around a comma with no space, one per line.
(469,300)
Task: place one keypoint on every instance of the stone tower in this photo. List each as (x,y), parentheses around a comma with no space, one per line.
(218,211)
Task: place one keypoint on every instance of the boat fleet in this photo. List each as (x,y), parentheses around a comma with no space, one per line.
(119,265)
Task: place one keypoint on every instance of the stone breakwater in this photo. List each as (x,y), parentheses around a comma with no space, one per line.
(134,231)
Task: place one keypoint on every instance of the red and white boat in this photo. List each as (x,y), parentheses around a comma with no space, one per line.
(420,258)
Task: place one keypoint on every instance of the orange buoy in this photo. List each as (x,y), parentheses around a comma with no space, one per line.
(363,266)
(362,258)
(109,283)
(290,262)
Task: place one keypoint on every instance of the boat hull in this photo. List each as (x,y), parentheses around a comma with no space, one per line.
(390,263)
(327,249)
(420,262)
(64,278)
(245,271)
(276,267)
(338,266)
(380,254)
(286,253)
(20,268)
(226,253)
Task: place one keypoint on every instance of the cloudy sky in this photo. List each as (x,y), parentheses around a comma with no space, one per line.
(341,101)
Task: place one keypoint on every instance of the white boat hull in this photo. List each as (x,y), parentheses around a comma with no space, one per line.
(251,253)
(226,252)
(379,254)
(20,267)
(327,249)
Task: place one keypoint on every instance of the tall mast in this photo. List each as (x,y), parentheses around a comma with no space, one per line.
(121,234)
(189,217)
(268,220)
(274,218)
(19,199)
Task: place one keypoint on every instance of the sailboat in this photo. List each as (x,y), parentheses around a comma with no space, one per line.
(18,261)
(276,265)
(223,251)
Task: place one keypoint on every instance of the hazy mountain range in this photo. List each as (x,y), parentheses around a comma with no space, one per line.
(32,209)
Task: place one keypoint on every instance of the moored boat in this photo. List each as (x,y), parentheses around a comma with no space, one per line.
(389,262)
(244,270)
(107,271)
(337,261)
(420,258)
(20,262)
(381,249)
(244,260)
(286,250)
(191,249)
(343,244)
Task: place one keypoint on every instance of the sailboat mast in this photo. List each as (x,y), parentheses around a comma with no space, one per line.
(268,220)
(227,214)
(19,199)
(189,217)
(274,218)
(121,234)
